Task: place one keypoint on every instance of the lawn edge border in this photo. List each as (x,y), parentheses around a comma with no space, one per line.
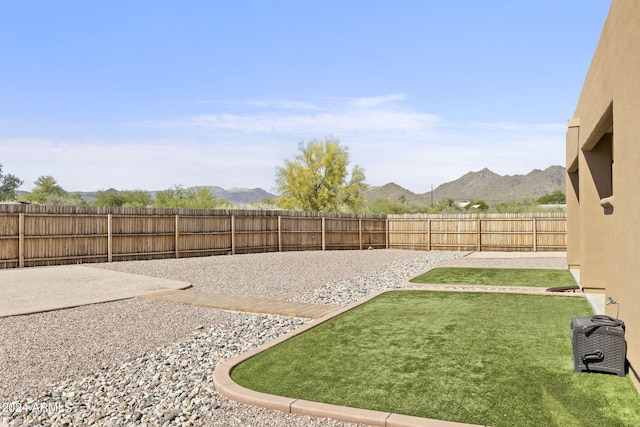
(462,287)
(225,385)
(496,289)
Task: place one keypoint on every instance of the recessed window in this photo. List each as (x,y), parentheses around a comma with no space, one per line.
(600,162)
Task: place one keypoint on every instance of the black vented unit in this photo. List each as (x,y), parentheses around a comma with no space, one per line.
(599,344)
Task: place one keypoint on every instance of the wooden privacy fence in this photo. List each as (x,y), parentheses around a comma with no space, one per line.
(479,232)
(32,235)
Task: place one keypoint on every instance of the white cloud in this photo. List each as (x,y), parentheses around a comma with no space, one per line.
(151,165)
(321,123)
(343,116)
(520,127)
(284,104)
(376,101)
(412,148)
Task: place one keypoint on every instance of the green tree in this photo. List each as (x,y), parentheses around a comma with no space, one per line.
(8,186)
(556,198)
(445,206)
(380,205)
(137,199)
(67,199)
(526,204)
(127,198)
(46,187)
(316,179)
(110,197)
(191,198)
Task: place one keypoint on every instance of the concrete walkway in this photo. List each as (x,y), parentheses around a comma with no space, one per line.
(38,289)
(242,303)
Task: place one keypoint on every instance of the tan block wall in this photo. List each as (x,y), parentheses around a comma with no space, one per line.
(606,244)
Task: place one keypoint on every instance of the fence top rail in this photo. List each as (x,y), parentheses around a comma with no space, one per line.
(101,210)
(474,219)
(525,215)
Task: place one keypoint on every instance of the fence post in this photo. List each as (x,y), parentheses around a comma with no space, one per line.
(479,225)
(535,234)
(386,234)
(279,233)
(110,238)
(324,241)
(429,234)
(233,234)
(360,232)
(177,236)
(21,240)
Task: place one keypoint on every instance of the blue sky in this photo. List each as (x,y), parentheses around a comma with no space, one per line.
(151,94)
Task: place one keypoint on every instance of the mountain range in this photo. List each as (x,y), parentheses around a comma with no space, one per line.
(482,185)
(236,196)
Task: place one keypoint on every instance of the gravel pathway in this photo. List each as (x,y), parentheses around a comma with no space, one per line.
(149,363)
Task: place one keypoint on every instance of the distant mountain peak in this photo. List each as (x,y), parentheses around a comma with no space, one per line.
(390,191)
(483,185)
(236,196)
(491,187)
(239,196)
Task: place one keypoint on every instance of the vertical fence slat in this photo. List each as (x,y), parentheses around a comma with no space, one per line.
(233,234)
(110,238)
(386,221)
(177,236)
(279,233)
(21,241)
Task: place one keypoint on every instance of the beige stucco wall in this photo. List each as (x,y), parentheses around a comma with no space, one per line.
(605,242)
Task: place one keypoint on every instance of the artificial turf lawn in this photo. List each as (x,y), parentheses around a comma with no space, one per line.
(479,358)
(543,278)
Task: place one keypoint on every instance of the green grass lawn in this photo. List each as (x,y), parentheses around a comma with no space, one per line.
(480,358)
(542,278)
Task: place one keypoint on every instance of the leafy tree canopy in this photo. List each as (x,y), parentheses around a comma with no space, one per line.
(191,198)
(46,187)
(68,199)
(317,179)
(48,192)
(556,198)
(446,206)
(8,186)
(127,198)
(380,205)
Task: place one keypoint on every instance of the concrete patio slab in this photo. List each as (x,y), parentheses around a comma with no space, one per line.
(38,289)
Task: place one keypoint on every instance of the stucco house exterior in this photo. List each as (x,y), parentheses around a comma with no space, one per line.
(603,175)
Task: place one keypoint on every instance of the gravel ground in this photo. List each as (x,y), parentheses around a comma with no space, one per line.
(277,275)
(149,363)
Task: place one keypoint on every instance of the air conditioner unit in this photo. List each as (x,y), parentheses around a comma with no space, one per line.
(599,345)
